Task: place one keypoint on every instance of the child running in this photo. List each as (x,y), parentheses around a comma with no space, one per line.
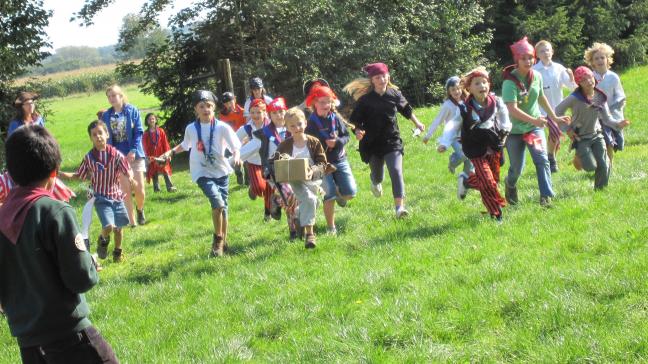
(484,127)
(207,138)
(589,113)
(449,115)
(327,125)
(555,77)
(105,165)
(250,154)
(599,57)
(155,145)
(300,145)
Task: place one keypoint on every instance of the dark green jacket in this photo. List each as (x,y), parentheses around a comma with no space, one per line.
(43,276)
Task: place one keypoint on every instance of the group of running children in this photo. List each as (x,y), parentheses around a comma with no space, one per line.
(477,125)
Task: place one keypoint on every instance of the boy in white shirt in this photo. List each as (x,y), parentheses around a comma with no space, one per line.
(555,77)
(207,138)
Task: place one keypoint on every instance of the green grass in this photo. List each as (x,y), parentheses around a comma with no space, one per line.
(566,284)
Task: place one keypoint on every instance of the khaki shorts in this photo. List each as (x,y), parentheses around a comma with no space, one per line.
(138,165)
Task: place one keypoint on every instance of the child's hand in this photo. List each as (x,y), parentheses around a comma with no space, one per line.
(540,122)
(359,133)
(624,123)
(237,162)
(419,125)
(564,119)
(441,148)
(131,156)
(66,175)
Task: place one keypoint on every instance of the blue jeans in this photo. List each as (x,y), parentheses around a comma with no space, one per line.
(457,157)
(216,190)
(342,179)
(515,147)
(111,212)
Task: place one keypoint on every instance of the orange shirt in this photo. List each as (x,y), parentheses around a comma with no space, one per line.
(235,119)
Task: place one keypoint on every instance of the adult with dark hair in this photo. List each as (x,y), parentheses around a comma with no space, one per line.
(257,91)
(43,252)
(523,93)
(126,131)
(26,113)
(378,101)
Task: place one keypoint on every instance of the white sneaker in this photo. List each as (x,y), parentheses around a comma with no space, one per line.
(332,231)
(401,212)
(461,187)
(376,189)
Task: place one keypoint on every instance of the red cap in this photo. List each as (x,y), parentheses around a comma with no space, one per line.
(258,103)
(277,104)
(374,69)
(317,92)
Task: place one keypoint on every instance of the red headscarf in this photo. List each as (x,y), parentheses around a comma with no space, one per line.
(374,69)
(277,104)
(581,73)
(522,47)
(258,103)
(317,92)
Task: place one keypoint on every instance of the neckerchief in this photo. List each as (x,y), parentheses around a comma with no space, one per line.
(155,140)
(272,133)
(595,102)
(14,211)
(507,74)
(332,134)
(95,155)
(201,144)
(485,112)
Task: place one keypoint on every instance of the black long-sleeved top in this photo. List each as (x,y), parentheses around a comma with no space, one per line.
(340,134)
(376,115)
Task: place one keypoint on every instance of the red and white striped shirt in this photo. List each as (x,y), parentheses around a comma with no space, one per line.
(6,184)
(104,168)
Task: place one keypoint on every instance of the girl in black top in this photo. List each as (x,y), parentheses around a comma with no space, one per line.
(374,116)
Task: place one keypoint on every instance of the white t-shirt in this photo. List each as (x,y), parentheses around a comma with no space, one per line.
(224,138)
(249,150)
(610,84)
(302,152)
(447,113)
(554,78)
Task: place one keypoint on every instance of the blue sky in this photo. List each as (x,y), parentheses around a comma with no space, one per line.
(105,31)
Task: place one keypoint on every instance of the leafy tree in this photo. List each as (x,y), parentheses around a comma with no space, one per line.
(21,40)
(133,42)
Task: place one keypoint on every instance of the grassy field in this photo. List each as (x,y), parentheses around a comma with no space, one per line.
(565,284)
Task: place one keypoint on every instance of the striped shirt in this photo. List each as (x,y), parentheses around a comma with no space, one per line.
(6,184)
(104,168)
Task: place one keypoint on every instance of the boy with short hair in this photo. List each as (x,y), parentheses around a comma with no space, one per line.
(208,138)
(104,165)
(555,77)
(44,260)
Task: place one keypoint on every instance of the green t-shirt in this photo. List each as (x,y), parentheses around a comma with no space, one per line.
(529,104)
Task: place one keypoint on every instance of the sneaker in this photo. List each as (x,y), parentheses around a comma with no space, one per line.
(376,189)
(553,166)
(401,212)
(510,193)
(545,201)
(310,241)
(172,189)
(332,231)
(141,220)
(341,201)
(118,257)
(102,247)
(251,194)
(218,247)
(266,215)
(462,190)
(156,189)
(497,219)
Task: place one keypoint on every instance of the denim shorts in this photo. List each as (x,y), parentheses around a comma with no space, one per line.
(111,212)
(341,179)
(216,190)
